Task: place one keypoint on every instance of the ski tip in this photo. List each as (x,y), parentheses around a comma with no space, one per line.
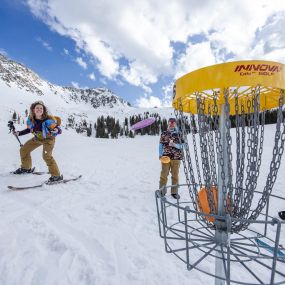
(44,183)
(13,188)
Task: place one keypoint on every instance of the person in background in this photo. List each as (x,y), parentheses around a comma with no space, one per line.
(45,128)
(171,144)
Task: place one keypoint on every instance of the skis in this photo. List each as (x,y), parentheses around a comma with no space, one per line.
(32,172)
(15,188)
(39,172)
(269,248)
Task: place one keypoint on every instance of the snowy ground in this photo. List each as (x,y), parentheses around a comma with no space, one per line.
(100,230)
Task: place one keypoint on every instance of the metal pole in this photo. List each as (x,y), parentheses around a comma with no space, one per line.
(18,140)
(221,234)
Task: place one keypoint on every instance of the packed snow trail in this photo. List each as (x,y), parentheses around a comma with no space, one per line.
(99,230)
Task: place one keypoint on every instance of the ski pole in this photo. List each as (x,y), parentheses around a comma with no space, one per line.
(12,129)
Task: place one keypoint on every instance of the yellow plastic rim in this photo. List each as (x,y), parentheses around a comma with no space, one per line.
(165,159)
(239,76)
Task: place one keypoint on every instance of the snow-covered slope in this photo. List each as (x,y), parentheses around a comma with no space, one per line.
(24,78)
(20,86)
(101,230)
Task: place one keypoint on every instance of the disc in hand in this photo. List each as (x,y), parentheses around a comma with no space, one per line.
(165,159)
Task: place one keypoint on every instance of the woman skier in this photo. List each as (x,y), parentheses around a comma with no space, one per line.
(45,128)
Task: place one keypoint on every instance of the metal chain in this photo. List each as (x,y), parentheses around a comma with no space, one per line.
(219,147)
(274,165)
(228,189)
(214,180)
(194,130)
(192,186)
(276,159)
(238,199)
(240,123)
(249,123)
(203,130)
(252,155)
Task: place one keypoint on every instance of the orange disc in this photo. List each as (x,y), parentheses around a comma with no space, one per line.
(165,159)
(204,203)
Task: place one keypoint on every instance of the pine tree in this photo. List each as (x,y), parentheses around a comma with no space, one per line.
(14,117)
(99,128)
(89,131)
(117,128)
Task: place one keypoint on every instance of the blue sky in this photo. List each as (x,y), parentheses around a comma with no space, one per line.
(137,49)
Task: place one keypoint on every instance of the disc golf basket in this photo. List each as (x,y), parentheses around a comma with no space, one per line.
(221,226)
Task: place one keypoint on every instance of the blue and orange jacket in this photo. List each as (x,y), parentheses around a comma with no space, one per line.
(47,127)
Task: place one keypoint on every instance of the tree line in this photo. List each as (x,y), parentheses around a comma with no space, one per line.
(110,127)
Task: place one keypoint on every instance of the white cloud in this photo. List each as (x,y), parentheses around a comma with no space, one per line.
(132,41)
(148,102)
(92,76)
(45,44)
(2,51)
(139,75)
(81,62)
(196,56)
(66,52)
(167,95)
(270,39)
(75,84)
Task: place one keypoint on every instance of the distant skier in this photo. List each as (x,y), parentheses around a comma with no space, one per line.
(170,145)
(45,128)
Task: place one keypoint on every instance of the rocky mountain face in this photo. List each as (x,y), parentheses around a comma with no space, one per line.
(97,97)
(13,73)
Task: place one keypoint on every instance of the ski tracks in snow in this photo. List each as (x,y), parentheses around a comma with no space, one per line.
(53,249)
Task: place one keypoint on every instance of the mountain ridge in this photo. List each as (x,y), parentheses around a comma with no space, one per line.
(23,77)
(20,86)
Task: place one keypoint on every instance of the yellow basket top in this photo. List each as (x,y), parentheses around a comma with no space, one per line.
(240,77)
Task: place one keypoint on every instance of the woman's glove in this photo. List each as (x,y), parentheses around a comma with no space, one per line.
(56,131)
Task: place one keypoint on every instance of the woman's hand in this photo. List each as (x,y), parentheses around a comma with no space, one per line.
(171,143)
(56,131)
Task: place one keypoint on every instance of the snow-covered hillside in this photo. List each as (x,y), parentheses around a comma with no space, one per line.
(24,78)
(99,230)
(20,86)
